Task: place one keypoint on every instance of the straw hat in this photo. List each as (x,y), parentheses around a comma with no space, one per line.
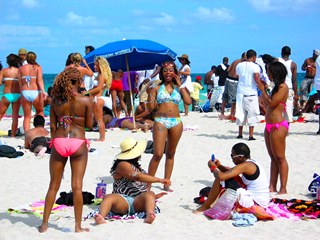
(184,56)
(131,149)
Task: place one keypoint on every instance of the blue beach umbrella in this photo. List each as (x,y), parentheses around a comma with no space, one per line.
(132,54)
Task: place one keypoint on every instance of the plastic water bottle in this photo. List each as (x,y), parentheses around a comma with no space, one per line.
(101,189)
(224,205)
(213,157)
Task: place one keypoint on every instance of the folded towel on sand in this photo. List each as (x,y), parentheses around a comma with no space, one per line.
(243,219)
(37,208)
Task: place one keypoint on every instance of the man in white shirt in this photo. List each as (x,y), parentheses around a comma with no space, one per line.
(247,103)
(291,81)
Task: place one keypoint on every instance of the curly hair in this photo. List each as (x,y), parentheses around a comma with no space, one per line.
(105,70)
(62,90)
(164,64)
(31,58)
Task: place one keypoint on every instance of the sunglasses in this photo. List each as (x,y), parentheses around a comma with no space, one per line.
(234,156)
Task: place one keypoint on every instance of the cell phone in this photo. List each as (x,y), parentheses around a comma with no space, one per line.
(213,157)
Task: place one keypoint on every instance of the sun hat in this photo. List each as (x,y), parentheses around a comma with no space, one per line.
(184,56)
(131,148)
(22,51)
(316,52)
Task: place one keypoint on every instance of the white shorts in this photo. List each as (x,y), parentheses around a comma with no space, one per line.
(247,110)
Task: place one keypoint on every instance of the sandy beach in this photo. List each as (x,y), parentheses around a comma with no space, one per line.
(25,180)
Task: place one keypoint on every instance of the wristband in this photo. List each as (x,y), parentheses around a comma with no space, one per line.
(213,168)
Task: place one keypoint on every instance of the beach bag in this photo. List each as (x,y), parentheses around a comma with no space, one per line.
(67,198)
(223,206)
(206,106)
(313,184)
(9,152)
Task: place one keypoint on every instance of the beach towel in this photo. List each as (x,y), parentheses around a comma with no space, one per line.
(304,209)
(112,216)
(37,209)
(243,219)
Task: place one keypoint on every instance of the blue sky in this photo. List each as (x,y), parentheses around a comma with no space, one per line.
(206,30)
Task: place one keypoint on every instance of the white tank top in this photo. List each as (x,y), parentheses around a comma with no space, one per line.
(287,64)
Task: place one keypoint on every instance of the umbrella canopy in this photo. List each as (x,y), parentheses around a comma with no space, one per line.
(141,54)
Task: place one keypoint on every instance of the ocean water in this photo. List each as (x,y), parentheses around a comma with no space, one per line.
(49,79)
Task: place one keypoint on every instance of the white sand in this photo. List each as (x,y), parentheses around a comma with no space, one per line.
(25,180)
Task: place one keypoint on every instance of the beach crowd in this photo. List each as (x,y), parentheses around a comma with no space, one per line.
(85,99)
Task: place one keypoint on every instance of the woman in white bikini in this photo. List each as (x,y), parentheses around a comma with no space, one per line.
(100,83)
(11,91)
(32,89)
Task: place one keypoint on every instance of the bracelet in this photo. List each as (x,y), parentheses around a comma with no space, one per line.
(213,168)
(181,87)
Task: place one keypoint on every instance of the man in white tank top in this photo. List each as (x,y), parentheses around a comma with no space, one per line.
(291,81)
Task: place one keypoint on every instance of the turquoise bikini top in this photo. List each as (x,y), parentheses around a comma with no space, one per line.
(163,96)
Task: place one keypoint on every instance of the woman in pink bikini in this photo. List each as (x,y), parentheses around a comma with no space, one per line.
(70,113)
(277,127)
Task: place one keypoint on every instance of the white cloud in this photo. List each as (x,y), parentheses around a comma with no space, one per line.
(30,3)
(164,19)
(26,31)
(280,5)
(215,14)
(75,19)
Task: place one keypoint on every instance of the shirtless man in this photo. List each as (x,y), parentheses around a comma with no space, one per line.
(309,65)
(208,78)
(36,139)
(230,90)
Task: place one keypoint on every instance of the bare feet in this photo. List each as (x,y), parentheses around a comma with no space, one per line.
(99,219)
(282,191)
(221,116)
(159,195)
(150,218)
(272,189)
(81,229)
(167,188)
(43,228)
(200,209)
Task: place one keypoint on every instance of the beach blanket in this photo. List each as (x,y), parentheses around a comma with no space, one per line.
(37,209)
(111,216)
(304,209)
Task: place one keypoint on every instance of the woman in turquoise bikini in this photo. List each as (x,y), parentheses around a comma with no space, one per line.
(277,127)
(11,91)
(32,89)
(70,113)
(164,99)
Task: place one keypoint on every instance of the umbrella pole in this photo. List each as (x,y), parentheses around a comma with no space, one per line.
(131,99)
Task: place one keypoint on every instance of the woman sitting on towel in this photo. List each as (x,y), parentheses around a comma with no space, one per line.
(277,127)
(70,113)
(251,173)
(130,194)
(164,100)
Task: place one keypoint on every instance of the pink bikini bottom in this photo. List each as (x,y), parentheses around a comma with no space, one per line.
(269,126)
(67,146)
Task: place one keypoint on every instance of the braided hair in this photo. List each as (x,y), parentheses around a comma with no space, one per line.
(62,90)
